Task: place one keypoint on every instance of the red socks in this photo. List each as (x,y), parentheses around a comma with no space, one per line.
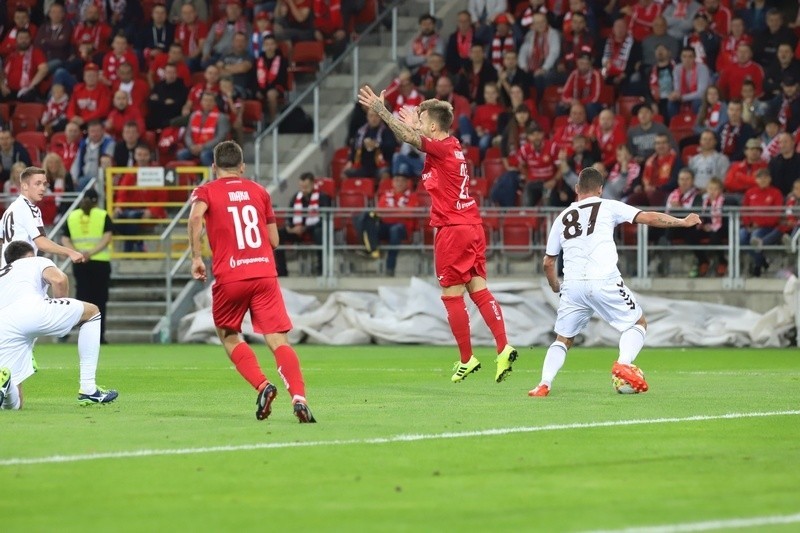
(289,370)
(244,358)
(458,318)
(491,313)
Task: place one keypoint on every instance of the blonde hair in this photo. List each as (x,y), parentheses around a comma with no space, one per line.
(60,171)
(441,112)
(15,172)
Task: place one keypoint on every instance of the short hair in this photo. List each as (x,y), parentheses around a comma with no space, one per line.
(306,176)
(427,16)
(716,181)
(760,173)
(17,250)
(689,49)
(131,124)
(31,171)
(590,179)
(687,170)
(95,122)
(228,155)
(439,111)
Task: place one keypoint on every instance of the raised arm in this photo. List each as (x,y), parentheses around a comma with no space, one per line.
(663,220)
(404,132)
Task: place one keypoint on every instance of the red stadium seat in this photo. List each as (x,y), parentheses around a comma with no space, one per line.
(33,140)
(384,186)
(681,133)
(607,95)
(516,238)
(364,186)
(560,122)
(491,169)
(682,121)
(5,112)
(688,152)
(327,186)
(473,155)
(478,188)
(26,117)
(340,158)
(493,152)
(625,105)
(252,116)
(550,100)
(307,56)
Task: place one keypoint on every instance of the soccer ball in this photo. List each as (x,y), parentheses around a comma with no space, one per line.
(622,386)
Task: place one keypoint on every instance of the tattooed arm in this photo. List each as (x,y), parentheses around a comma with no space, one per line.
(663,220)
(403,131)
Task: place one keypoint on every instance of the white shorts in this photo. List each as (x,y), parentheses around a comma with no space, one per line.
(22,322)
(609,298)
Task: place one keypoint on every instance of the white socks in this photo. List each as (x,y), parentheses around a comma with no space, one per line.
(630,344)
(88,353)
(11,400)
(553,361)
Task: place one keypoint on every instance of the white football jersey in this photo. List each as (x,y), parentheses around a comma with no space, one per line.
(585,232)
(22,221)
(23,279)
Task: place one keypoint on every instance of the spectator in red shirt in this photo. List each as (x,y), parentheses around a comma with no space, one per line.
(642,17)
(211,85)
(760,228)
(114,58)
(730,79)
(191,34)
(25,68)
(54,117)
(174,56)
(136,88)
(90,100)
(68,150)
(294,20)
(91,32)
(608,133)
(576,125)
(22,20)
(730,43)
(719,15)
(660,174)
(790,224)
(121,113)
(483,126)
(583,86)
(329,26)
(741,175)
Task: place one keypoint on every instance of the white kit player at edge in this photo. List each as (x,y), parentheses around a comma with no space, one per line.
(27,313)
(584,231)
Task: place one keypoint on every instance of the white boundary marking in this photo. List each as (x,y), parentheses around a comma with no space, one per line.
(735,523)
(17,461)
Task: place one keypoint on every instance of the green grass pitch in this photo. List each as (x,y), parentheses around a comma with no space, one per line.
(560,463)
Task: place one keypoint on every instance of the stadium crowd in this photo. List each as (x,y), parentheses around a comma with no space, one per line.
(678,103)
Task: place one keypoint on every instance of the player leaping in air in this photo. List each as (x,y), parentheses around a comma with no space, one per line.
(459,248)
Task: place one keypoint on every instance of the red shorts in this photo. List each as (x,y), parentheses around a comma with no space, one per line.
(261,296)
(459,253)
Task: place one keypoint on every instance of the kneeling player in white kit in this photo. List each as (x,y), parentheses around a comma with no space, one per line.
(27,313)
(592,282)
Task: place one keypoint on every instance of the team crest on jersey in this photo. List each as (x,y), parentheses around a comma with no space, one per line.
(459,155)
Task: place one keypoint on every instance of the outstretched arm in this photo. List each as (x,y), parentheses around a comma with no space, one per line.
(403,131)
(663,220)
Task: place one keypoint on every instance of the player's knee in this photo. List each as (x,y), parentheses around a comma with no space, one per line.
(566,341)
(642,322)
(90,310)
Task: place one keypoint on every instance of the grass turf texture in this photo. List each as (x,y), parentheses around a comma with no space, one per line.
(174,397)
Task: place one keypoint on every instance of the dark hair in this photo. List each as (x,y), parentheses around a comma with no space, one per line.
(31,171)
(689,49)
(306,176)
(228,155)
(131,124)
(687,170)
(17,250)
(427,16)
(590,179)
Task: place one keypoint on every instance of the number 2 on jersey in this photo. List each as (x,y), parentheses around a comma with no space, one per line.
(246,233)
(463,194)
(572,226)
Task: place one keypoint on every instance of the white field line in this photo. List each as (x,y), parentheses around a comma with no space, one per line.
(16,461)
(711,525)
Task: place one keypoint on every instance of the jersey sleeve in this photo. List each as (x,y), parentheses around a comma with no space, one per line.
(269,212)
(623,212)
(554,239)
(200,194)
(44,263)
(433,147)
(32,223)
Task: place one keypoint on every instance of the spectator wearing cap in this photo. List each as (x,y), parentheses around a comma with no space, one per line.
(90,100)
(661,81)
(705,42)
(25,68)
(734,132)
(475,75)
(539,53)
(690,80)
(166,99)
(730,43)
(766,42)
(207,128)
(154,40)
(54,38)
(191,32)
(785,166)
(730,79)
(679,16)
(741,175)
(460,42)
(426,42)
(294,20)
(786,65)
(503,39)
(584,85)
(22,21)
(786,106)
(642,136)
(220,36)
(579,40)
(118,55)
(622,58)
(659,36)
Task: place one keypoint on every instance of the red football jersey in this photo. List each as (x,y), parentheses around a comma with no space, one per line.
(446,178)
(236,224)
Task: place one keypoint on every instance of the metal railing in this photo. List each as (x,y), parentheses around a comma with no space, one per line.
(352,54)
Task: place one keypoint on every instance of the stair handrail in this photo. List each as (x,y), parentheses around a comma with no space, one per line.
(350,51)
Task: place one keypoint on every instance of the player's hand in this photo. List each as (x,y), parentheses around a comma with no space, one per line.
(76,256)
(368,98)
(409,116)
(199,269)
(691,220)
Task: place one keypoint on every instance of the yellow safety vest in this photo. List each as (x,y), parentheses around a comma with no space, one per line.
(86,232)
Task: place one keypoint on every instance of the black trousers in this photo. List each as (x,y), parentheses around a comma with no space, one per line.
(92,280)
